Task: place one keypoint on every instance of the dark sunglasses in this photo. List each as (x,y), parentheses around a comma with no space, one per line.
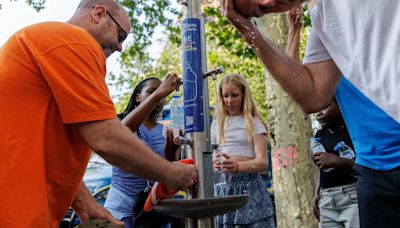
(122,34)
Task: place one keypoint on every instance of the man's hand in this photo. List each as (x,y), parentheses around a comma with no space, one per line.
(326,160)
(316,206)
(236,19)
(254,8)
(87,207)
(96,211)
(182,176)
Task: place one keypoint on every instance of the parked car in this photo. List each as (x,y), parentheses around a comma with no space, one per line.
(98,173)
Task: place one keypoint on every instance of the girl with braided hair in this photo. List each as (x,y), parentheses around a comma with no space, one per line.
(140,116)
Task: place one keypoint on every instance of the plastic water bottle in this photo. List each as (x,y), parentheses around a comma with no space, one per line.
(176,117)
(220,177)
(317,147)
(345,151)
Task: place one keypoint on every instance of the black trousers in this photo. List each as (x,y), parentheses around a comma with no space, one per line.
(378,197)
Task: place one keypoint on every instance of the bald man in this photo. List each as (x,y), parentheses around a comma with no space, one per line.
(56,108)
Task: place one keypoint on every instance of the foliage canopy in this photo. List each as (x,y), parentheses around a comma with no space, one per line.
(225,47)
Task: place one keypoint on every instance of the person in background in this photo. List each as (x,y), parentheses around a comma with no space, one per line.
(338,187)
(335,201)
(57,72)
(347,45)
(144,107)
(240,132)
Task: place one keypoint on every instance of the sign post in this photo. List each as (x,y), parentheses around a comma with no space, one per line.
(196,106)
(201,206)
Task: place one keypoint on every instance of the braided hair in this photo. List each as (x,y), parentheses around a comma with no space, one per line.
(132,104)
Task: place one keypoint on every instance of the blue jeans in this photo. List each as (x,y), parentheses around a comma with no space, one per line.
(338,207)
(378,197)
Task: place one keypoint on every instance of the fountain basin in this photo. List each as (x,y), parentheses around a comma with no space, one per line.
(201,208)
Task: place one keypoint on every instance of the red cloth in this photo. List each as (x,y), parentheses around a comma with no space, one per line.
(160,192)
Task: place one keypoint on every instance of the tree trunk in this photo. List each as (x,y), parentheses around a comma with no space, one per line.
(290,129)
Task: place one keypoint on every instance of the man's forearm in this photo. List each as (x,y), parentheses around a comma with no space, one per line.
(87,207)
(117,145)
(82,199)
(294,78)
(128,152)
(293,45)
(311,85)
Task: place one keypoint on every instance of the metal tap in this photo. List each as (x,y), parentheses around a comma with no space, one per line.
(213,72)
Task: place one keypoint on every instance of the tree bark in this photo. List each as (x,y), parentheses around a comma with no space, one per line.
(290,129)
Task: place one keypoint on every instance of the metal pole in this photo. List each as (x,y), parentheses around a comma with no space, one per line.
(196,106)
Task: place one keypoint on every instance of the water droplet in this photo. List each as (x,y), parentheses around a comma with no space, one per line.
(244,26)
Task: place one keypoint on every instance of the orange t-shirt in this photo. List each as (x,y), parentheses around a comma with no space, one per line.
(51,75)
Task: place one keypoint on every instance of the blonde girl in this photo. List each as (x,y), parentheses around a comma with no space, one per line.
(240,132)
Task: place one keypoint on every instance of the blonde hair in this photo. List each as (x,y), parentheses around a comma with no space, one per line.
(249,109)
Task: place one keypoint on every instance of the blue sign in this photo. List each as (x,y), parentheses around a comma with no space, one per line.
(192,75)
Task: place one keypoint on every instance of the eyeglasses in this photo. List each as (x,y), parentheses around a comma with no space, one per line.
(122,34)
